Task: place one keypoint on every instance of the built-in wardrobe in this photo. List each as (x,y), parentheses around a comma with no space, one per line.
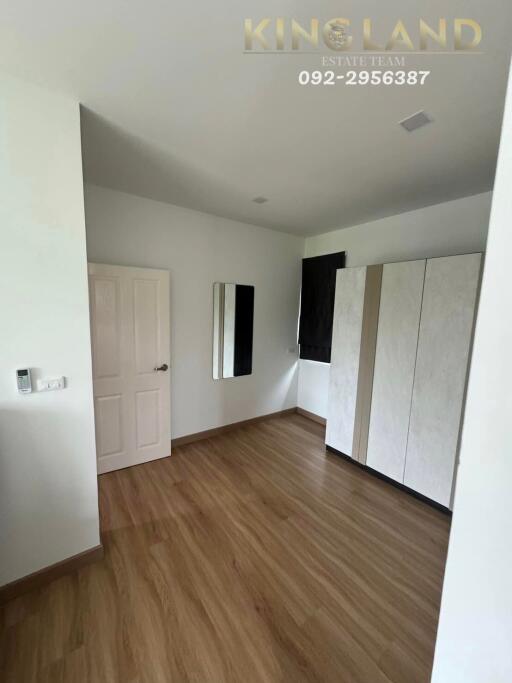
(401,344)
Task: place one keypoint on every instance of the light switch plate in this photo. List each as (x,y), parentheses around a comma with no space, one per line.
(51,384)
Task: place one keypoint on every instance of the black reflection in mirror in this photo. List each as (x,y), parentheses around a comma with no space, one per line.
(233,318)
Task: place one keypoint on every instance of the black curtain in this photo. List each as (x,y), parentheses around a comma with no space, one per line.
(244,317)
(317,305)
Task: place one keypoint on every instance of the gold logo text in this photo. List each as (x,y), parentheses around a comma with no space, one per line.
(281,34)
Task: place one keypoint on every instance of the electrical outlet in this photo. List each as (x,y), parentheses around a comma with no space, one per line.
(52,384)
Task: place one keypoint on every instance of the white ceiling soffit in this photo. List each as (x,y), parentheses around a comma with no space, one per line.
(175,111)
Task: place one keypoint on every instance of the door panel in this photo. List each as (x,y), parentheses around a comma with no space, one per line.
(105,304)
(447,316)
(146,324)
(109,422)
(130,339)
(346,346)
(395,358)
(147,411)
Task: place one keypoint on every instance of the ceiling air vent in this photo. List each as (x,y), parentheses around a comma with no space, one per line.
(415,121)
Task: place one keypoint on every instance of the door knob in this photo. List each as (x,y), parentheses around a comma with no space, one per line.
(162,368)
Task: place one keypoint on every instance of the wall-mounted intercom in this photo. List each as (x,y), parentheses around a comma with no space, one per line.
(23,380)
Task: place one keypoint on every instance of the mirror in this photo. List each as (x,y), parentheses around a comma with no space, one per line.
(233,315)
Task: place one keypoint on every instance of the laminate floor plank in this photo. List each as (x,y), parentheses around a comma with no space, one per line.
(253,556)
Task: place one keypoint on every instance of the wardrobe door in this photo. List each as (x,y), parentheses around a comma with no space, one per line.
(395,358)
(448,311)
(356,311)
(345,351)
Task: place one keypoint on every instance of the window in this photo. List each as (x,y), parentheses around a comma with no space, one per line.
(317,305)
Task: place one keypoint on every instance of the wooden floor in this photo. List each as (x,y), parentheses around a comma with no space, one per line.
(249,557)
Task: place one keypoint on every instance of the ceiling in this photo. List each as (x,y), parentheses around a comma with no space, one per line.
(175,111)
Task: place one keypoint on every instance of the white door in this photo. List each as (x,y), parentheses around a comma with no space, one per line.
(130,359)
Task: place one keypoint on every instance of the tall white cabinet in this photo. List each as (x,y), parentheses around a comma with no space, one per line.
(345,361)
(395,361)
(351,373)
(400,353)
(447,317)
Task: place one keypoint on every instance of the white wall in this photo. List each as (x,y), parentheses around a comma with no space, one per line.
(455,227)
(474,642)
(313,386)
(199,249)
(48,486)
